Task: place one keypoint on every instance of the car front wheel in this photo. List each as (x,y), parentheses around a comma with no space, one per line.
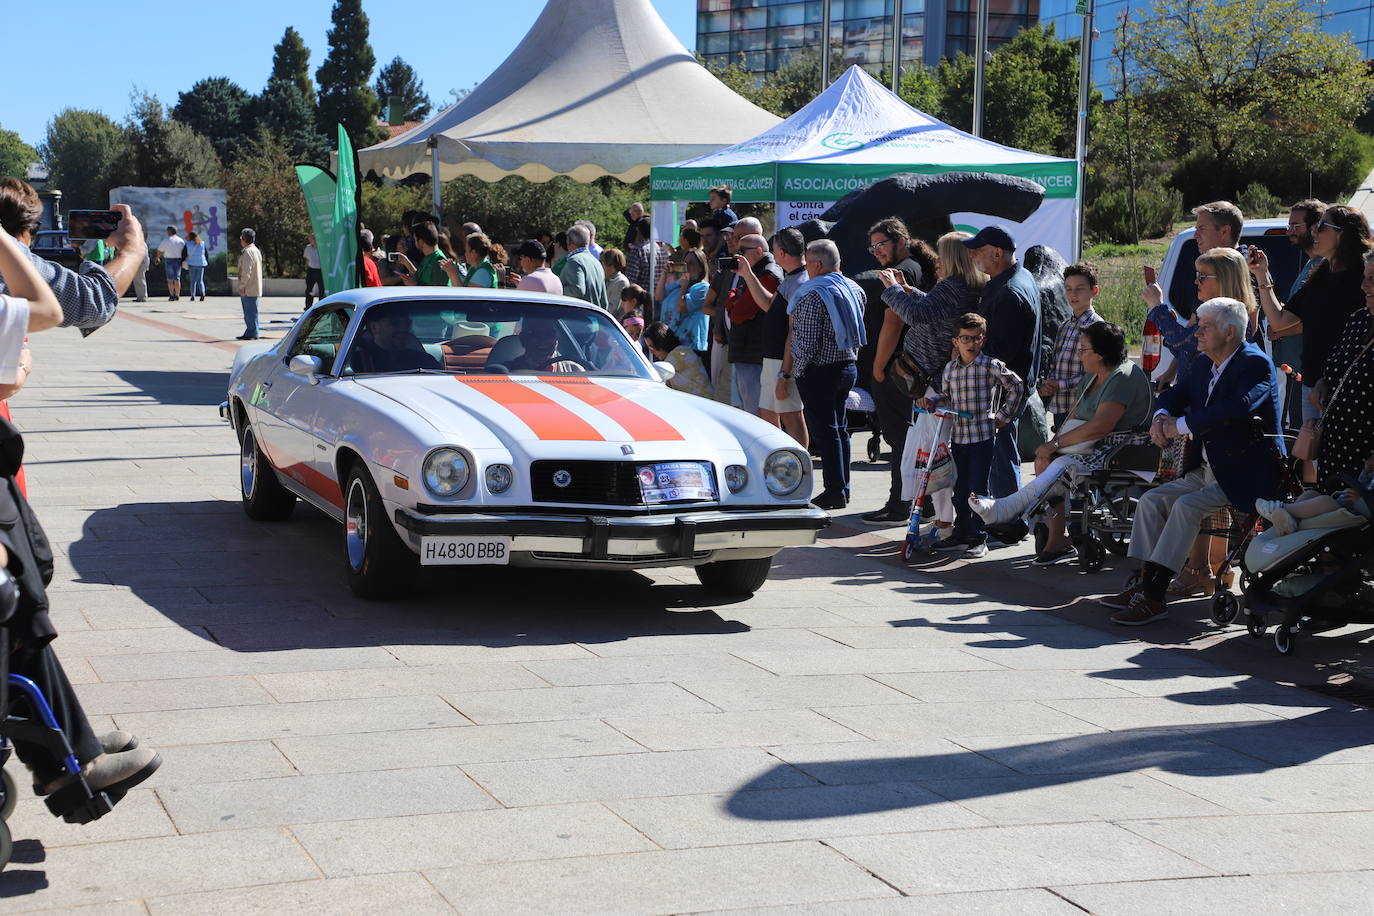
(735,577)
(264,498)
(378,564)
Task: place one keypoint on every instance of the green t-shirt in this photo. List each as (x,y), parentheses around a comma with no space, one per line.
(1127,384)
(481,275)
(429,273)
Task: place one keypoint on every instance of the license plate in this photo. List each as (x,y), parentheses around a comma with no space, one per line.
(465,551)
(671,481)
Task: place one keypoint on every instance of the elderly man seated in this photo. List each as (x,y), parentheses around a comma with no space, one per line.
(1231,460)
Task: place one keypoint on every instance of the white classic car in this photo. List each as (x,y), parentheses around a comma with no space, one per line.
(491,427)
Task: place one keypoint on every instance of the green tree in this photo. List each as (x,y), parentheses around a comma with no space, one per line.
(1242,81)
(383,205)
(345,96)
(15,155)
(514,209)
(747,84)
(287,115)
(398,79)
(216,108)
(291,62)
(262,192)
(161,152)
(81,149)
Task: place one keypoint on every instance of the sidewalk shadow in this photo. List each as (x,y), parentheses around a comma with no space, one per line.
(252,586)
(171,387)
(1216,750)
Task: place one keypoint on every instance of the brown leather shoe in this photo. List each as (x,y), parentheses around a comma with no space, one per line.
(1141,612)
(1191,583)
(1122,600)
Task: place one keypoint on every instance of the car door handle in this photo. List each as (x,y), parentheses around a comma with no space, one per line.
(267,384)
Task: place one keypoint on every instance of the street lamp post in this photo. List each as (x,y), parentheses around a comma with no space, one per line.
(1086,9)
(980,62)
(896,44)
(825,44)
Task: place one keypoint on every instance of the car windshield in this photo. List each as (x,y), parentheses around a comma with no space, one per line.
(484,337)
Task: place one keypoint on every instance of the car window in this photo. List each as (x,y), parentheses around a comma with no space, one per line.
(484,337)
(1284,263)
(322,336)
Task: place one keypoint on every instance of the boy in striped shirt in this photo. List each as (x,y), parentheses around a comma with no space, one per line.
(991,394)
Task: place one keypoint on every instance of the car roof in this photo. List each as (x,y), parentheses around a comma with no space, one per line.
(364,297)
(1249,227)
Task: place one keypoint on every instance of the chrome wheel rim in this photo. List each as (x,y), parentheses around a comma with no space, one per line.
(248,462)
(355,524)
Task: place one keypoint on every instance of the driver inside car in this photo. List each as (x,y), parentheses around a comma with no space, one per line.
(539,338)
(387,344)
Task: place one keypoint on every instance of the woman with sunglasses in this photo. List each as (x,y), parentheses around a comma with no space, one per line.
(1332,292)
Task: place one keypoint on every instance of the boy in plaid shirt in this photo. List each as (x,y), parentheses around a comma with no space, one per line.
(1080,287)
(991,394)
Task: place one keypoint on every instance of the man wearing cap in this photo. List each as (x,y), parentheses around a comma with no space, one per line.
(1011,304)
(536,276)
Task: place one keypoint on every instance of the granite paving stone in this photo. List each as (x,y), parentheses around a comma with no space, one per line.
(730,729)
(955,720)
(1065,798)
(403,892)
(1244,895)
(841,660)
(999,686)
(1256,844)
(1037,902)
(396,681)
(186,693)
(590,702)
(804,692)
(1279,790)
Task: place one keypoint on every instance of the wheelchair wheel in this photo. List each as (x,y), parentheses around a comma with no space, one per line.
(1091,555)
(1225,608)
(11,797)
(6,845)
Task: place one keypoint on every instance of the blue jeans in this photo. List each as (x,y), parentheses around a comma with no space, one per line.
(1006,462)
(197,280)
(973,463)
(250,315)
(823,391)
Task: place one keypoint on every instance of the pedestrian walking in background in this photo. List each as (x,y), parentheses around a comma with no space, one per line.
(314,277)
(250,283)
(196,262)
(172,251)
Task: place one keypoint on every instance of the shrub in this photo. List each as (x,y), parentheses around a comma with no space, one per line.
(1109,216)
(1257,203)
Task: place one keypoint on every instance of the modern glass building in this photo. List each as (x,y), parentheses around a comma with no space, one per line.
(767,31)
(1352,17)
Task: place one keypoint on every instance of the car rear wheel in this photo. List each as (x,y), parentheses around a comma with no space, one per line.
(264,498)
(735,577)
(378,564)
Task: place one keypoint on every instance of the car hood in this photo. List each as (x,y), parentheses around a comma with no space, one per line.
(571,416)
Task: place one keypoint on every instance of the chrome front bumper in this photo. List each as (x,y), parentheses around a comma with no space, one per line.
(610,538)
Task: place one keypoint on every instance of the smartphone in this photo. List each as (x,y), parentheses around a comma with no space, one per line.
(393,256)
(1151,278)
(727,262)
(92,224)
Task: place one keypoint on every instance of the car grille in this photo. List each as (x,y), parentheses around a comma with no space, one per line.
(608,483)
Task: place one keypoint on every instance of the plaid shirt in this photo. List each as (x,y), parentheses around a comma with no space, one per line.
(1068,368)
(87,295)
(637,266)
(973,388)
(813,336)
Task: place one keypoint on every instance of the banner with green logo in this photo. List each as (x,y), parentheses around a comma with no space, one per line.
(333,208)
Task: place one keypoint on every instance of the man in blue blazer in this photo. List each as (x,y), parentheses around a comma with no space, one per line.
(1231,460)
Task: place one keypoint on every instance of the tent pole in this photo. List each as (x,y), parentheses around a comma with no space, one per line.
(980,63)
(896,44)
(434,187)
(1085,64)
(825,44)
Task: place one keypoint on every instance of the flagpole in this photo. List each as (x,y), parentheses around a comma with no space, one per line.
(434,186)
(1085,47)
(980,62)
(825,44)
(896,44)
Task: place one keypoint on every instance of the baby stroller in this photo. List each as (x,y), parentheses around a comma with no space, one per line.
(861,415)
(934,471)
(1320,577)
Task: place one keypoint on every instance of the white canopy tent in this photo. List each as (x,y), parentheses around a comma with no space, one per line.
(598,87)
(853,134)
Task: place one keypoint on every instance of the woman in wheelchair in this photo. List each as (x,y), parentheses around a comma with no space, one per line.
(1110,402)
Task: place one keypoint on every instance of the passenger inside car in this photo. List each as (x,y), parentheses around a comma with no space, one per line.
(534,349)
(387,344)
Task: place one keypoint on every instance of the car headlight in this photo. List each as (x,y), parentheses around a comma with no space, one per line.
(736,477)
(783,472)
(446,472)
(499,478)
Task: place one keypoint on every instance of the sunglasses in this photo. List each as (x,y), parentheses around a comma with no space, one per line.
(1323,224)
(1201,277)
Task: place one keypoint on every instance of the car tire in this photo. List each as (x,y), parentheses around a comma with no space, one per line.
(264,498)
(378,564)
(735,577)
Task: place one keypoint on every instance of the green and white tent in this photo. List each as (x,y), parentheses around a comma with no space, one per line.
(853,134)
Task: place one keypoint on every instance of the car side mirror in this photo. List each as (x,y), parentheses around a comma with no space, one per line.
(665,370)
(309,366)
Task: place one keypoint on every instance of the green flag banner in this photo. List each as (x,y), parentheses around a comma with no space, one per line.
(333,208)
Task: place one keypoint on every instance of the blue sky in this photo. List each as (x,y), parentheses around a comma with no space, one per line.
(92,54)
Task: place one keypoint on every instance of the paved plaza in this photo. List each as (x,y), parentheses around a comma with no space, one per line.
(860,737)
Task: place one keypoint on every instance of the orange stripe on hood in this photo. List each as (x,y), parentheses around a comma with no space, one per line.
(642,424)
(545,417)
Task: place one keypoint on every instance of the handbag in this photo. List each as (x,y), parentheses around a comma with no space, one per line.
(911,380)
(1078,448)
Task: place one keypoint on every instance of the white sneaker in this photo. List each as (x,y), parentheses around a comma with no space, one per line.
(976,551)
(1277,515)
